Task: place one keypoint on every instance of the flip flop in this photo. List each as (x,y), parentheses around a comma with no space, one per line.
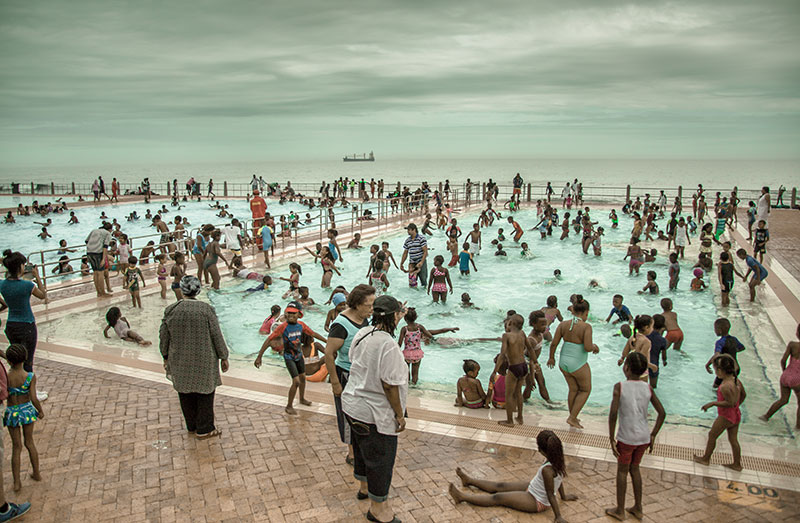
(361,495)
(370,517)
(213,433)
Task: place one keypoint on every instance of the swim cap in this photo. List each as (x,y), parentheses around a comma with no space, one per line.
(190,286)
(338,298)
(698,272)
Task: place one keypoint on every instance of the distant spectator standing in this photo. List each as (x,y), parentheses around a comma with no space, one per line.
(764,207)
(96,190)
(114,190)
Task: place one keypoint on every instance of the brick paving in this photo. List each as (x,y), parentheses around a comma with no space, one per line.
(113,448)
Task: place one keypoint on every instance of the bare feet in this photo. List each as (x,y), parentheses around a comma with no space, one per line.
(763,418)
(463,475)
(615,513)
(305,402)
(733,466)
(290,410)
(17,486)
(506,423)
(36,476)
(574,423)
(146,343)
(519,420)
(454,493)
(701,460)
(635,512)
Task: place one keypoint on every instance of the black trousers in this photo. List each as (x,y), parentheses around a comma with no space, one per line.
(198,411)
(24,334)
(344,427)
(374,455)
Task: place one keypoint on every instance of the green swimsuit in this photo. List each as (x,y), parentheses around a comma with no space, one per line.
(573,355)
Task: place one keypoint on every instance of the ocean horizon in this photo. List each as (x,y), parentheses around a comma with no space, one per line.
(713,173)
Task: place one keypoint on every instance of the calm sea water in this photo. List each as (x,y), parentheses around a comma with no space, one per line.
(718,174)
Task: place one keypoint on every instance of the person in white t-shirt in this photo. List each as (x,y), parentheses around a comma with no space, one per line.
(233,237)
(374,403)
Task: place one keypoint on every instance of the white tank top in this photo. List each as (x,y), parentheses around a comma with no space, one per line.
(634,399)
(536,486)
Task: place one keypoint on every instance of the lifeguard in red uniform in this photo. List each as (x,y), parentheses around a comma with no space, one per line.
(258,208)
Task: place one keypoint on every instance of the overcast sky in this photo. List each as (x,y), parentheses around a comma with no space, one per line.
(109,82)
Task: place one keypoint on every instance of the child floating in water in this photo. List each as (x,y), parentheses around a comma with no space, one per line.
(526,251)
(697,282)
(470,390)
(466,301)
(122,327)
(535,496)
(500,251)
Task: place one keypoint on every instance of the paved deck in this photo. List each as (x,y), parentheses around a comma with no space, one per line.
(784,241)
(112,448)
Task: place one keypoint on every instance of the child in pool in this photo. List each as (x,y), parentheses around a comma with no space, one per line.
(613,217)
(177,272)
(439,280)
(466,301)
(730,396)
(726,270)
(639,342)
(623,313)
(410,341)
(293,279)
(22,410)
(470,391)
(464,259)
(413,274)
(378,278)
(514,349)
(132,276)
(122,327)
(274,317)
(44,234)
(526,251)
(636,255)
(790,380)
(697,282)
(650,256)
(161,272)
(674,271)
(304,298)
(537,320)
(339,306)
(354,243)
(630,401)
(651,285)
(452,248)
(551,313)
(500,236)
(674,333)
(85,269)
(500,251)
(597,247)
(535,496)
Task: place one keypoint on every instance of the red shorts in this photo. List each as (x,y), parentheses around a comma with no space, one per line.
(517,190)
(630,454)
(674,336)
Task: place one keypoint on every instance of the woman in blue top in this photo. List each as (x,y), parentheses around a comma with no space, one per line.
(16,292)
(342,331)
(758,270)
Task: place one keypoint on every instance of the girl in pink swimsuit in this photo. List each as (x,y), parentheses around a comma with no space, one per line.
(790,380)
(410,340)
(730,395)
(439,280)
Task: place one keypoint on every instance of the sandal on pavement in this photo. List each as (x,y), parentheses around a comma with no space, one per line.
(213,433)
(373,518)
(361,495)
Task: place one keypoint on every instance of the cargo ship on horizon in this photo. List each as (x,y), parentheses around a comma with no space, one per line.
(362,158)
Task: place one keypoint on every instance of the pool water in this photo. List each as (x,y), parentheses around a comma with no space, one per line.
(23,235)
(515,283)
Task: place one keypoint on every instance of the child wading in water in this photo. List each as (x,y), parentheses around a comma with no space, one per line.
(439,280)
(294,281)
(515,346)
(161,271)
(730,395)
(122,327)
(790,380)
(470,390)
(23,409)
(411,338)
(536,495)
(132,276)
(291,332)
(630,401)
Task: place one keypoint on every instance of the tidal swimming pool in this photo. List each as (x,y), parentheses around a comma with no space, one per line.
(521,284)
